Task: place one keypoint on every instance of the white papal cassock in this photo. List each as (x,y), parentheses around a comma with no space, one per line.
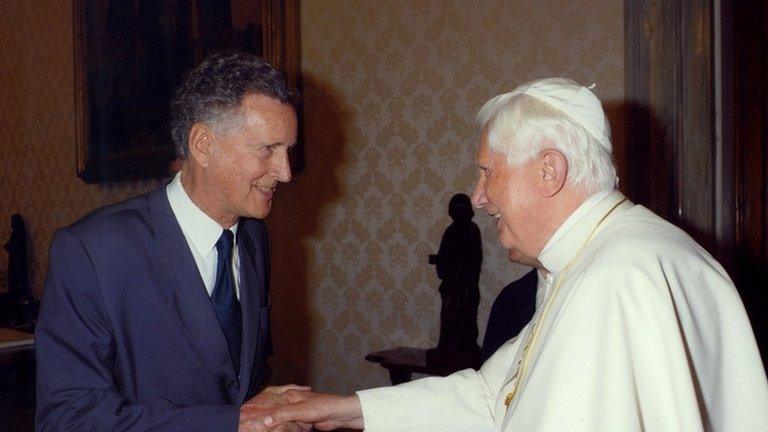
(646,332)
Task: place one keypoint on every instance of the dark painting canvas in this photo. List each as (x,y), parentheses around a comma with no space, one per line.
(132,54)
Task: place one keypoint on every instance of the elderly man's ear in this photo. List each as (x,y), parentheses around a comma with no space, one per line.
(553,170)
(200,140)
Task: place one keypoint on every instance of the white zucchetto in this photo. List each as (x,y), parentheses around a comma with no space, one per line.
(573,99)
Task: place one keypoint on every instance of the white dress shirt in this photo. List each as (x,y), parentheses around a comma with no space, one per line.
(201,233)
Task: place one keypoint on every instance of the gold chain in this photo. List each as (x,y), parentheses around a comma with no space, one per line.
(522,364)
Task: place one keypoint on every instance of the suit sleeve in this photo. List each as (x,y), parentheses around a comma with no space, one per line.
(75,352)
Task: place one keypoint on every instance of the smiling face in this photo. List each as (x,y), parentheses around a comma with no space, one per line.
(508,193)
(239,164)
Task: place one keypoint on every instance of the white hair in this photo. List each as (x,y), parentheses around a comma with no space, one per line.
(519,126)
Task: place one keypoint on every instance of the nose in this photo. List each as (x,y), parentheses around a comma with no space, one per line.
(478,195)
(283,167)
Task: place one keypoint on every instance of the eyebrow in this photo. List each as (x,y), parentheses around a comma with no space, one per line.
(270,144)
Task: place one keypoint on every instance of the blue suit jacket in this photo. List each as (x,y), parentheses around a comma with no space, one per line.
(127,338)
(511,311)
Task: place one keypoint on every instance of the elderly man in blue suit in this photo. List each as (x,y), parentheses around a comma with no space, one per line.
(155,314)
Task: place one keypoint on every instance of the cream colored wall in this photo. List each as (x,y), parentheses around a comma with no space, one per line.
(391,88)
(37,129)
(390,91)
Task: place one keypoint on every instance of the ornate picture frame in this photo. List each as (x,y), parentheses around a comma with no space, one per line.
(131,54)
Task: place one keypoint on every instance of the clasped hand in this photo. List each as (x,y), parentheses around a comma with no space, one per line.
(293,408)
(253,412)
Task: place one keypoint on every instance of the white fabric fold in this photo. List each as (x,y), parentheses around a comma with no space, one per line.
(647,333)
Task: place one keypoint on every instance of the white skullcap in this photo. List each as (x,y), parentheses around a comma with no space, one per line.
(574,100)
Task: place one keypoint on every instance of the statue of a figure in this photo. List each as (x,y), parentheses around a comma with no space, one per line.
(18,266)
(458,264)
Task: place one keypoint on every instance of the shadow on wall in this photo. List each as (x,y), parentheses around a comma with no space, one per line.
(651,174)
(616,111)
(647,167)
(298,216)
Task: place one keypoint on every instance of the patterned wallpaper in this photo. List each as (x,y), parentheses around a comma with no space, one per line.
(37,129)
(391,88)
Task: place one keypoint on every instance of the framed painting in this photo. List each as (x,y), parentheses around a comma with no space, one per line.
(131,54)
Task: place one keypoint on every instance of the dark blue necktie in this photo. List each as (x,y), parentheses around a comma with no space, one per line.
(224,299)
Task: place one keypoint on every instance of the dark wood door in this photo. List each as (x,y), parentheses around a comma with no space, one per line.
(746,42)
(697,130)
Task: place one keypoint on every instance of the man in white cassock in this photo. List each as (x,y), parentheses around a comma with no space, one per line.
(637,328)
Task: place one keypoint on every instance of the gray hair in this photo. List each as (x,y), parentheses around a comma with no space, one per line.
(213,92)
(519,125)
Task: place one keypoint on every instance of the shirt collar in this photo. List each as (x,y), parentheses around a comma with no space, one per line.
(572,234)
(201,230)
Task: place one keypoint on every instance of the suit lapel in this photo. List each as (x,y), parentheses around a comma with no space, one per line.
(180,286)
(252,291)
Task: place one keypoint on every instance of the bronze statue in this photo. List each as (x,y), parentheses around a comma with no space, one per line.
(458,264)
(18,266)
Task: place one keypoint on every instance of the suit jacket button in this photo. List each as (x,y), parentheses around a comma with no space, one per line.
(230,383)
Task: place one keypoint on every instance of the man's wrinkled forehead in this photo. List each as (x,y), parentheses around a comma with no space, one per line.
(486,155)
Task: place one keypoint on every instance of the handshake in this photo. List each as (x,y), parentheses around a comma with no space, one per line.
(293,408)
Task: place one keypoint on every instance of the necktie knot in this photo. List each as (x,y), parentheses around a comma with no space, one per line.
(224,244)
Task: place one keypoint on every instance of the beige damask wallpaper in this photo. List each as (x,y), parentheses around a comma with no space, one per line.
(391,88)
(37,129)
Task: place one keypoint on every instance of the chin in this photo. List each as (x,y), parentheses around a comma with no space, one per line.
(255,210)
(506,244)
(259,213)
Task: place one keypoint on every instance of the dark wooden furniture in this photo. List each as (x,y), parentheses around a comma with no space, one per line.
(401,362)
(17,381)
(12,341)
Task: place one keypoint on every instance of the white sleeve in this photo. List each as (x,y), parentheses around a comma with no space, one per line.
(460,402)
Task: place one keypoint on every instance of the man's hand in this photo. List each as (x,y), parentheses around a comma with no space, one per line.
(326,411)
(252,412)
